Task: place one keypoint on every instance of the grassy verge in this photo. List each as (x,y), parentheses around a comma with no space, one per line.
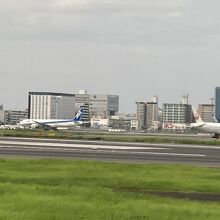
(62,189)
(109,137)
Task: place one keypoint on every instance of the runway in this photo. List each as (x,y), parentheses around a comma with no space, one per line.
(110,151)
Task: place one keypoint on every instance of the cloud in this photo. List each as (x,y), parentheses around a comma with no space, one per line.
(145,39)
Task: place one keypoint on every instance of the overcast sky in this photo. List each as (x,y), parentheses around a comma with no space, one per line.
(135,49)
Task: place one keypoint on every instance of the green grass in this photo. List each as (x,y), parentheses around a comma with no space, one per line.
(76,135)
(64,189)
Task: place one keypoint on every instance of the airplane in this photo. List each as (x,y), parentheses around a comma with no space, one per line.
(53,123)
(206,127)
(214,118)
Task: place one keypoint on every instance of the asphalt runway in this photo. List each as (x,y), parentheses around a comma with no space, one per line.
(111,151)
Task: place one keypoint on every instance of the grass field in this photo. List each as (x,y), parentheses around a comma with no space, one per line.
(64,189)
(94,136)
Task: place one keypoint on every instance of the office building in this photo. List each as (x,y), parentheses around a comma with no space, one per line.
(217,103)
(50,105)
(147,114)
(152,114)
(96,106)
(206,112)
(177,113)
(82,100)
(104,106)
(13,117)
(141,115)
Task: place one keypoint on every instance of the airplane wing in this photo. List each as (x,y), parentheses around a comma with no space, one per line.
(200,125)
(43,125)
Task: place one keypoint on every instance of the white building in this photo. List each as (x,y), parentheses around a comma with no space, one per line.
(99,123)
(15,116)
(134,125)
(49,105)
(12,117)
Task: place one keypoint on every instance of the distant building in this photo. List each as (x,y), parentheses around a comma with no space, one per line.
(134,125)
(15,116)
(82,100)
(217,103)
(206,112)
(100,123)
(97,106)
(147,114)
(2,117)
(152,114)
(141,115)
(177,113)
(50,105)
(12,117)
(104,106)
(128,121)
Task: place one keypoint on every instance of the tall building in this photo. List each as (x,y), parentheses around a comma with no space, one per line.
(141,115)
(50,105)
(1,107)
(104,106)
(152,114)
(147,114)
(206,112)
(82,100)
(217,103)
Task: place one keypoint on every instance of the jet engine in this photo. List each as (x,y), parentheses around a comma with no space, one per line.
(33,126)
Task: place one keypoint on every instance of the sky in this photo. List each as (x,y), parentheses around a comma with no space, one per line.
(135,49)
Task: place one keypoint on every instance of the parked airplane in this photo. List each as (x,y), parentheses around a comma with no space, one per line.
(207,127)
(53,123)
(214,118)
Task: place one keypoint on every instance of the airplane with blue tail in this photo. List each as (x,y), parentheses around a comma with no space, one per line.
(53,123)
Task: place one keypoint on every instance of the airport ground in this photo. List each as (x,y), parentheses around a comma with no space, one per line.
(95,177)
(89,134)
(70,189)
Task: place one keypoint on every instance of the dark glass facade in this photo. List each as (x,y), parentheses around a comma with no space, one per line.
(217,103)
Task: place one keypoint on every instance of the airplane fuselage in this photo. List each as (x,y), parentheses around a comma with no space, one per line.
(207,127)
(53,123)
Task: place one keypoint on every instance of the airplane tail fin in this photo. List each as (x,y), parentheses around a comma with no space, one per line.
(214,118)
(196,116)
(77,118)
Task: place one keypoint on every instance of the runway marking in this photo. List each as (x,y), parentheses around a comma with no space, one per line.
(12,143)
(165,145)
(131,152)
(174,154)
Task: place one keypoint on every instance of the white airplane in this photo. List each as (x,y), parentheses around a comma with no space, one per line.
(206,127)
(53,123)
